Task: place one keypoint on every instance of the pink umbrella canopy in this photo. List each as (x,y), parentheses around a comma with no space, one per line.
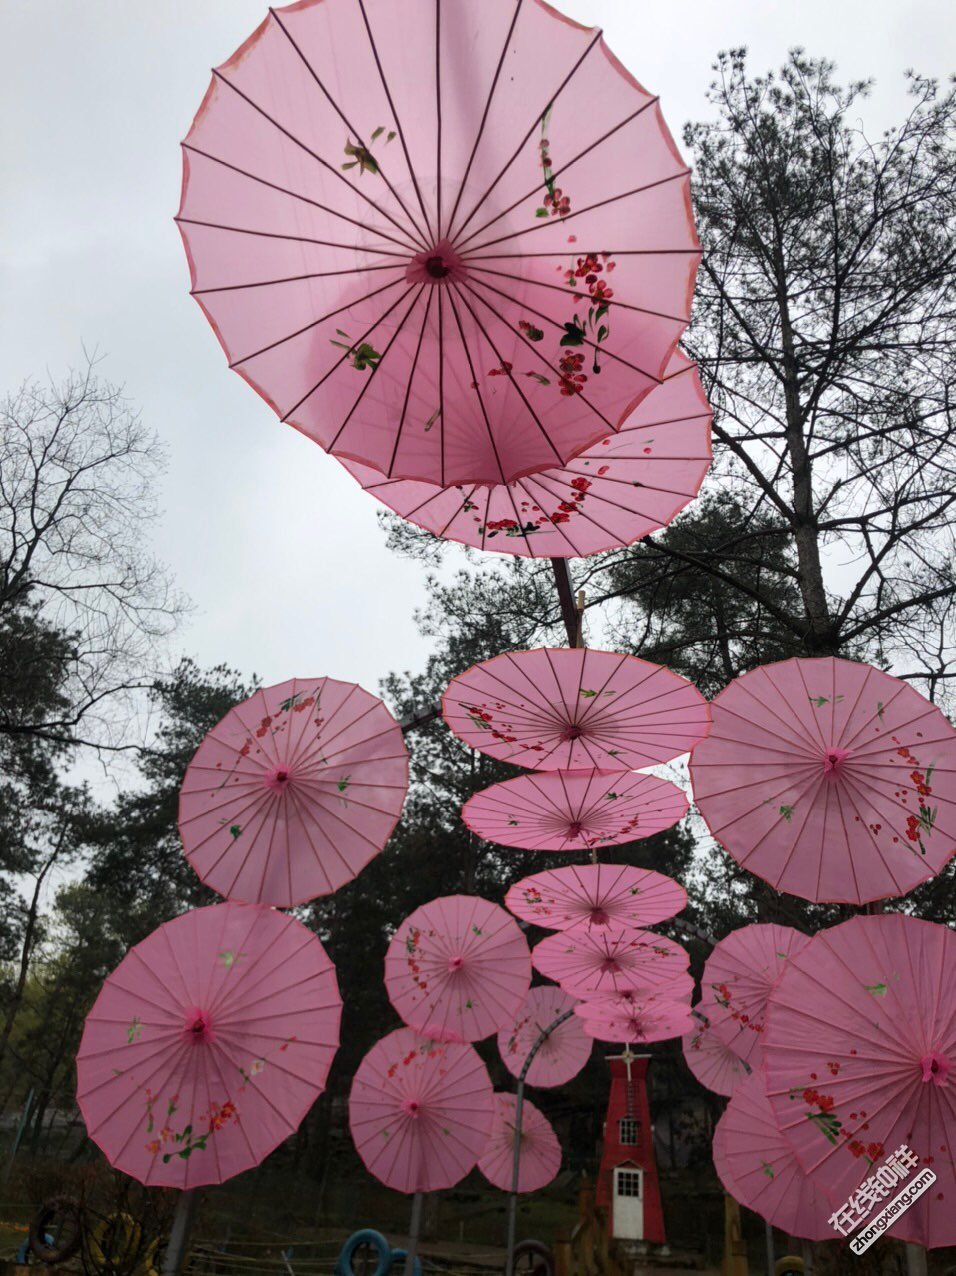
(712,1062)
(420,1111)
(461,257)
(458,968)
(830,779)
(293,792)
(860,1056)
(574,810)
(621,489)
(645,1020)
(738,977)
(561,1055)
(539,1154)
(757,1166)
(207,1045)
(557,708)
(587,962)
(596,896)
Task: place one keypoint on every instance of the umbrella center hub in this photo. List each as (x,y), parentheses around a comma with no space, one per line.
(197,1027)
(411,1107)
(610,966)
(834,761)
(934,1067)
(572,732)
(440,264)
(455,964)
(575,829)
(278,779)
(599,917)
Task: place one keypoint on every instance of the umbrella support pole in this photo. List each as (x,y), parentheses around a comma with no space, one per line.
(572,612)
(915,1259)
(516,1149)
(414,1231)
(771,1249)
(177,1247)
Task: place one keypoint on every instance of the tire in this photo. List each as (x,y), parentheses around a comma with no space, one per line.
(536,1258)
(398,1263)
(789,1265)
(66,1210)
(367,1236)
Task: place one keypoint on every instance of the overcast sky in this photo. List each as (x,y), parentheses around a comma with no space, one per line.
(277,547)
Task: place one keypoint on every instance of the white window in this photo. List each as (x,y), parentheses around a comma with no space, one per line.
(629,1183)
(628,1131)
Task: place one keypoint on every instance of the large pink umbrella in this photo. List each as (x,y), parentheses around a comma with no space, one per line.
(574,810)
(586,962)
(458,968)
(420,1111)
(539,1153)
(757,1166)
(293,792)
(738,977)
(562,1054)
(207,1045)
(596,896)
(619,490)
(462,256)
(557,708)
(830,779)
(860,1055)
(645,1020)
(712,1062)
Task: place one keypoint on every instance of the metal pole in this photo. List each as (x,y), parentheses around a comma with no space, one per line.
(569,612)
(414,1229)
(18,1137)
(771,1251)
(177,1247)
(915,1259)
(516,1154)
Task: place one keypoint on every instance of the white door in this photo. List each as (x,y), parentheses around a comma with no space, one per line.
(628,1222)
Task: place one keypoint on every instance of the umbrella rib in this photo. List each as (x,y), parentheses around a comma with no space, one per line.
(531,346)
(611,252)
(477,388)
(574,295)
(291,336)
(556,173)
(358,136)
(398,122)
(484,332)
(342,358)
(413,246)
(438,119)
(603,203)
(297,239)
(293,279)
(441,383)
(411,378)
(586,341)
(283,190)
(537,120)
(484,117)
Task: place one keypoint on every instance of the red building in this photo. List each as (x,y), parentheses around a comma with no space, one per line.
(628,1186)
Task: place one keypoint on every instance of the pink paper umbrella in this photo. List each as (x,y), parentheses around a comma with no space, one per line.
(556,708)
(587,962)
(829,779)
(293,792)
(596,896)
(651,1019)
(712,1062)
(207,1045)
(738,977)
(539,1155)
(562,1054)
(605,1005)
(758,1167)
(860,1055)
(462,256)
(420,1111)
(619,490)
(574,810)
(458,968)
